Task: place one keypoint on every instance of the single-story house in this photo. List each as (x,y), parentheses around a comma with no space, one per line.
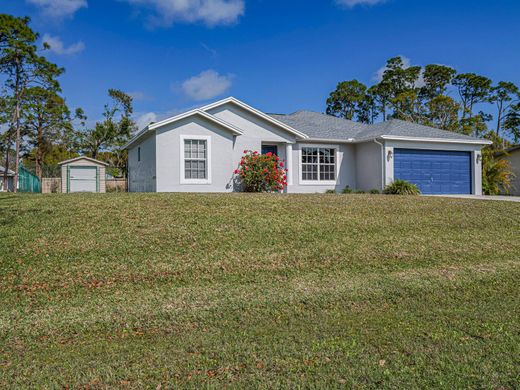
(198,150)
(9,184)
(512,155)
(83,174)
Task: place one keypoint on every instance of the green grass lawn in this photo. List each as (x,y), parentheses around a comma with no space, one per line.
(264,291)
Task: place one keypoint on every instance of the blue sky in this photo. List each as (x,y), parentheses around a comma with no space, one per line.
(277,55)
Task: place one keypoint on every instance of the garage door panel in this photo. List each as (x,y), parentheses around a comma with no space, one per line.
(83,179)
(434,171)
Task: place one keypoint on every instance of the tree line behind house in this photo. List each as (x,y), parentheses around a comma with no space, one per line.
(439,96)
(436,96)
(38,127)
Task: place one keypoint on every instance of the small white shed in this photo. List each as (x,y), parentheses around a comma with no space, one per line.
(9,185)
(83,174)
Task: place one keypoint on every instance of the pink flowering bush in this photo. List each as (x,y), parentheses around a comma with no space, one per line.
(261,172)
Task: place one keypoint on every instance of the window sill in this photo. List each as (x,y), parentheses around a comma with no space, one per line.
(195,182)
(318,183)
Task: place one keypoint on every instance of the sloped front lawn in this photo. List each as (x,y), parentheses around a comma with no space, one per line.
(137,290)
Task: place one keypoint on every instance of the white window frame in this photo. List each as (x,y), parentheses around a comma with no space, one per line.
(318,182)
(183,179)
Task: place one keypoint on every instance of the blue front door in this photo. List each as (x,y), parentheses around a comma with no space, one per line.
(270,148)
(434,171)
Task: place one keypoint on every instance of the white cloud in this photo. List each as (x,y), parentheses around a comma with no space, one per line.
(58,47)
(209,12)
(59,8)
(145,119)
(378,76)
(353,3)
(206,85)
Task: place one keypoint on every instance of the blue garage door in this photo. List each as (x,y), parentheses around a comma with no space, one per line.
(434,171)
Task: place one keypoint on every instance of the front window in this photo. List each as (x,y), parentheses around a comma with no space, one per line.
(318,164)
(195,159)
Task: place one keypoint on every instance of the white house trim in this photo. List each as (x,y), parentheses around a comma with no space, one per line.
(441,140)
(318,182)
(183,179)
(83,158)
(345,141)
(200,112)
(255,112)
(288,163)
(235,130)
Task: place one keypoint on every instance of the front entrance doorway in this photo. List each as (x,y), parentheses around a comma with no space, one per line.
(270,148)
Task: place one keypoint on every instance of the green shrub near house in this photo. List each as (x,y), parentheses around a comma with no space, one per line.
(401,187)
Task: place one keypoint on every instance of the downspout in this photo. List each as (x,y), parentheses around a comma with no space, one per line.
(383,182)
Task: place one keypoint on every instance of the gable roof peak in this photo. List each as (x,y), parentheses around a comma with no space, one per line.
(93,160)
(256,112)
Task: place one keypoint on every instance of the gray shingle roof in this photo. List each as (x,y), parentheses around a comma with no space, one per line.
(321,126)
(401,128)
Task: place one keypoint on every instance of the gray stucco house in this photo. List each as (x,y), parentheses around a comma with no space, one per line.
(197,151)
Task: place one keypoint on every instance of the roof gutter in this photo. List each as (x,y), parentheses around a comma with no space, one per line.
(346,141)
(441,140)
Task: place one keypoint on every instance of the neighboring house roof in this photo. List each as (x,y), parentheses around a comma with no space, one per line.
(325,127)
(512,149)
(9,172)
(83,158)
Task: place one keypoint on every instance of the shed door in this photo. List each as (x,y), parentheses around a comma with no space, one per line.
(83,179)
(434,171)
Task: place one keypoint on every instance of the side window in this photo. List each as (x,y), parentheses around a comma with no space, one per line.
(195,161)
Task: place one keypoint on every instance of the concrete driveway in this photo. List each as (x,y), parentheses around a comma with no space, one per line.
(483,197)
